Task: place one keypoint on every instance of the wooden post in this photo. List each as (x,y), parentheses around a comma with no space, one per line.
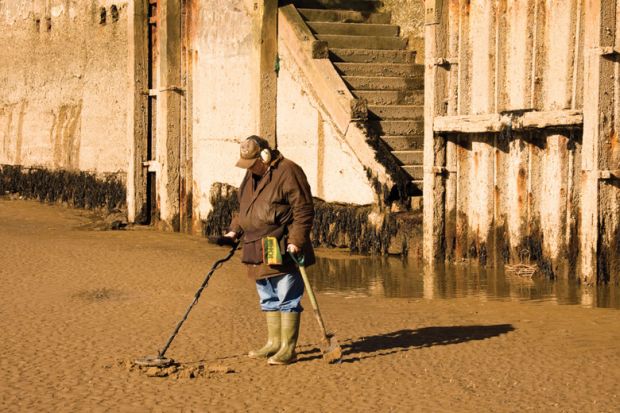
(554,170)
(482,18)
(454,17)
(265,84)
(599,32)
(169,94)
(463,147)
(137,100)
(435,79)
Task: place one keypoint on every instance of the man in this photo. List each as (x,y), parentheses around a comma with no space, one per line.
(274,201)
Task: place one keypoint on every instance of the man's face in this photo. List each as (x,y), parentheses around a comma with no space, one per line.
(258,167)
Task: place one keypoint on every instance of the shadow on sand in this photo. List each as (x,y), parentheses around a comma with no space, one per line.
(403,340)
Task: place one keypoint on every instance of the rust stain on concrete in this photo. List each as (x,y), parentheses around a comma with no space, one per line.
(65,135)
(20,132)
(521,186)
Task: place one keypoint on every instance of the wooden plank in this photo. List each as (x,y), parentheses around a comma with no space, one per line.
(496,122)
(480,215)
(554,170)
(469,123)
(137,102)
(597,127)
(435,78)
(608,269)
(451,147)
(551,119)
(463,146)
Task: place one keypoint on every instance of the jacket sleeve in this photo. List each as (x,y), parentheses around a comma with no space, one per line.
(235,225)
(299,196)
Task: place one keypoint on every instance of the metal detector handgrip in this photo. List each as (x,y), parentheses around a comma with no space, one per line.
(215,266)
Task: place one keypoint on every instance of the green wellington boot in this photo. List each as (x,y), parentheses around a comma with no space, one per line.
(290,332)
(273,337)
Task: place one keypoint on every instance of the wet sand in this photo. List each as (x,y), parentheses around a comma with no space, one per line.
(77,304)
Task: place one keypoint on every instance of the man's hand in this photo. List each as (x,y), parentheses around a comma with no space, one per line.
(293,249)
(231,234)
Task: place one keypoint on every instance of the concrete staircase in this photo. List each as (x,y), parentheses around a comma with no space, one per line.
(373,60)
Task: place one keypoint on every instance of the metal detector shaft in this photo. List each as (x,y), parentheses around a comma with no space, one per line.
(215,266)
(311,296)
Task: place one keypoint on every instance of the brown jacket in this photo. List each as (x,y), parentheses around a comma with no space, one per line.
(280,206)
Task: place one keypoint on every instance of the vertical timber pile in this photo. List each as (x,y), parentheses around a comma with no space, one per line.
(169,102)
(435,78)
(266,51)
(137,122)
(522,156)
(600,247)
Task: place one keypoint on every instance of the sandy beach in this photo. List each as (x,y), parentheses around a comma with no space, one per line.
(78,304)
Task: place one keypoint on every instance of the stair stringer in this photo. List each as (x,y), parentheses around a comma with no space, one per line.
(338,106)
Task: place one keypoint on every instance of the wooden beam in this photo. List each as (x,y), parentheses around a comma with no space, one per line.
(496,122)
(468,123)
(551,119)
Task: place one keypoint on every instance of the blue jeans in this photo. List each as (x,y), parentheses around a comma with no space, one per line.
(281,293)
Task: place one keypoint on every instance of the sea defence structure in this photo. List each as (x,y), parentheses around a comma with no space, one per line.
(470,111)
(521,135)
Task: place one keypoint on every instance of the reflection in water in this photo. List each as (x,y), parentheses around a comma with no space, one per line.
(392,277)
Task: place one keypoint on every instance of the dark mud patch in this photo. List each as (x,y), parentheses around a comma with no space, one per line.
(114,221)
(76,188)
(176,370)
(98,295)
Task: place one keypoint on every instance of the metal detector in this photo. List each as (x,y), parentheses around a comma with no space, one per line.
(160,360)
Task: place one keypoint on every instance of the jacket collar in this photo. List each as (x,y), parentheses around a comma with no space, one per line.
(266,178)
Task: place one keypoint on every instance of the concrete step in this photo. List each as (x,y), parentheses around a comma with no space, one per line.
(391,97)
(396,111)
(384,83)
(355,29)
(371,56)
(397,127)
(404,142)
(380,69)
(360,5)
(410,157)
(364,42)
(344,16)
(416,173)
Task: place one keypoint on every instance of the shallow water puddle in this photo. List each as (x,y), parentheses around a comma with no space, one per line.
(354,276)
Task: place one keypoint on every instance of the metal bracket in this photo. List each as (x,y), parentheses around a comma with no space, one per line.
(441,170)
(609,174)
(173,88)
(446,61)
(152,166)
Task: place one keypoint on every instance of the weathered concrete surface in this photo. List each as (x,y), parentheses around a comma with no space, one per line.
(409,15)
(223,94)
(63,77)
(308,135)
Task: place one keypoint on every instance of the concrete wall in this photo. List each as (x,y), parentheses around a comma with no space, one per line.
(516,162)
(223,44)
(409,15)
(224,85)
(307,135)
(63,81)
